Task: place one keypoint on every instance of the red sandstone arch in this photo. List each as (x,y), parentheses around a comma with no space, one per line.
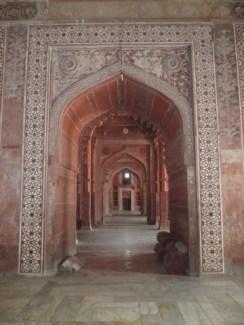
(118,169)
(122,155)
(115,183)
(139,101)
(113,166)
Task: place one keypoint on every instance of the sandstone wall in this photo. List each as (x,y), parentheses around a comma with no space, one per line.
(12,68)
(231,147)
(127,9)
(13,81)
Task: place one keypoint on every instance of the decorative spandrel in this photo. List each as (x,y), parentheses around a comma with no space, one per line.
(44,37)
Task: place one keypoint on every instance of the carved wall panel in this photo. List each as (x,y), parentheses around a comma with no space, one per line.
(2,42)
(14,86)
(18,10)
(239,37)
(15,64)
(44,39)
(226,74)
(171,64)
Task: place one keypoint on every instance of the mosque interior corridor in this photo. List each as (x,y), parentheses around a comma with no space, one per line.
(123,243)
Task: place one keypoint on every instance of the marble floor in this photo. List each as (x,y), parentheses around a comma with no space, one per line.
(119,292)
(121,244)
(113,297)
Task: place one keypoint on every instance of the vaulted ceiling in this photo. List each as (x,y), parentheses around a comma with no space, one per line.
(122,94)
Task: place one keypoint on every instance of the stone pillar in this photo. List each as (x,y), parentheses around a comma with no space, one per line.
(120,195)
(144,198)
(152,195)
(164,219)
(133,203)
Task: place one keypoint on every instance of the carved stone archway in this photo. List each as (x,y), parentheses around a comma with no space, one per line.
(43,40)
(154,111)
(134,166)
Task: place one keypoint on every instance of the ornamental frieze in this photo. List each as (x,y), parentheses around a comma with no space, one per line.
(18,10)
(172,65)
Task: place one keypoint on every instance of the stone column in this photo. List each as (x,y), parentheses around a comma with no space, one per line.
(133,205)
(152,198)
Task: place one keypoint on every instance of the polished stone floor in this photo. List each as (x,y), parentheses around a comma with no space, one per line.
(116,291)
(121,244)
(110,297)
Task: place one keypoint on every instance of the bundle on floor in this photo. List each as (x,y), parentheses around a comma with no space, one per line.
(172,252)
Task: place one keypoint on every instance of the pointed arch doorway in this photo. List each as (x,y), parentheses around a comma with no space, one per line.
(163,134)
(127,193)
(43,110)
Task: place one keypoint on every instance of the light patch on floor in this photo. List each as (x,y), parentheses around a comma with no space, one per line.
(123,243)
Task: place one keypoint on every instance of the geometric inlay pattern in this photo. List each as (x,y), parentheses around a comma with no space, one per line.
(170,64)
(239,42)
(2,42)
(41,39)
(18,11)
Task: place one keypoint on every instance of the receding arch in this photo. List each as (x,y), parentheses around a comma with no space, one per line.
(121,187)
(63,100)
(64,149)
(117,156)
(113,165)
(108,186)
(119,169)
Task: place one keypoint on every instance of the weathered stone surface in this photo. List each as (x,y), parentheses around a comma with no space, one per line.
(2,48)
(229,122)
(36,109)
(21,10)
(10,167)
(227,88)
(231,147)
(173,65)
(14,83)
(238,9)
(11,144)
(116,9)
(127,9)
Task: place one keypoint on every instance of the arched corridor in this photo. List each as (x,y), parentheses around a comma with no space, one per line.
(122,125)
(127,193)
(119,144)
(118,118)
(124,243)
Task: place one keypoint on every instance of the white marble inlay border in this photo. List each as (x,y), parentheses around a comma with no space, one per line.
(43,36)
(239,45)
(2,50)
